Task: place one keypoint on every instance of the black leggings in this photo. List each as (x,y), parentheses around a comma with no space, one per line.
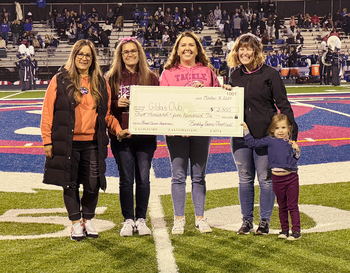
(84,170)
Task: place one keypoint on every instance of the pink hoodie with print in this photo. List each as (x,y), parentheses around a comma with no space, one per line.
(187,76)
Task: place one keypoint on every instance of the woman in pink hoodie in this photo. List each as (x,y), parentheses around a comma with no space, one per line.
(188,65)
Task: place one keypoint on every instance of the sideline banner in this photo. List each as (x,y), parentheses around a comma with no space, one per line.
(174,110)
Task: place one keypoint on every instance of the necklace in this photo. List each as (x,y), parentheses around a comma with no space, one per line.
(84,90)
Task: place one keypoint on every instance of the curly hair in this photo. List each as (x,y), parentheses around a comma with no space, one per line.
(246,40)
(114,75)
(174,59)
(95,73)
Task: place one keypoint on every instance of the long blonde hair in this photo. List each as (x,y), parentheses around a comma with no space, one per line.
(246,40)
(114,75)
(174,59)
(95,73)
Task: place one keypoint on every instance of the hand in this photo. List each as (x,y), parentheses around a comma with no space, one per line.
(124,134)
(245,126)
(227,87)
(123,102)
(294,145)
(48,151)
(198,84)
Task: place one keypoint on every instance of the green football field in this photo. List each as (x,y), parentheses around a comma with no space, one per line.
(27,216)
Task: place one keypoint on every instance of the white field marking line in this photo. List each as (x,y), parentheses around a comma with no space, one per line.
(164,249)
(9,96)
(26,106)
(322,108)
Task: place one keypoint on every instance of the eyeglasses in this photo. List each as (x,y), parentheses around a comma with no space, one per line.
(82,55)
(133,52)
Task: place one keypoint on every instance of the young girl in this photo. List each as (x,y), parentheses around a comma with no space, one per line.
(283,155)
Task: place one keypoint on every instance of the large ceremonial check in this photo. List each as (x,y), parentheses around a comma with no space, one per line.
(170,110)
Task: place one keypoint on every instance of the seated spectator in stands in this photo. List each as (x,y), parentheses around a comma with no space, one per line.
(145,13)
(47,40)
(168,43)
(16,29)
(327,22)
(177,17)
(211,21)
(136,16)
(337,19)
(80,32)
(118,15)
(110,15)
(260,10)
(165,37)
(151,48)
(151,21)
(290,36)
(299,39)
(84,17)
(307,21)
(199,25)
(157,21)
(2,42)
(50,20)
(187,24)
(64,13)
(203,42)
(27,26)
(104,39)
(72,32)
(200,14)
(93,14)
(95,24)
(217,49)
(107,27)
(184,15)
(53,42)
(301,20)
(173,34)
(262,25)
(144,22)
(159,13)
(265,39)
(5,14)
(167,16)
(68,19)
(315,21)
(217,13)
(29,16)
(292,23)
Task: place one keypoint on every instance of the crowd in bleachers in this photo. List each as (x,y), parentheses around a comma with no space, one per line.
(157,29)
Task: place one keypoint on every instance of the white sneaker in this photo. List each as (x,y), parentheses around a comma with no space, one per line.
(90,229)
(77,232)
(179,226)
(141,227)
(128,228)
(202,225)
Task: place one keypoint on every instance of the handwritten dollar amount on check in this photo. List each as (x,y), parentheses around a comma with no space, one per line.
(206,112)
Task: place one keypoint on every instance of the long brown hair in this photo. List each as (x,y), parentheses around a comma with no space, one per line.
(174,59)
(95,73)
(114,75)
(246,40)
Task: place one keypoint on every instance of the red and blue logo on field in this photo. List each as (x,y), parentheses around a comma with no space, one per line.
(323,120)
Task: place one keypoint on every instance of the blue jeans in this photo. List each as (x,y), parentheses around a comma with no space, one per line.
(249,161)
(196,149)
(134,158)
